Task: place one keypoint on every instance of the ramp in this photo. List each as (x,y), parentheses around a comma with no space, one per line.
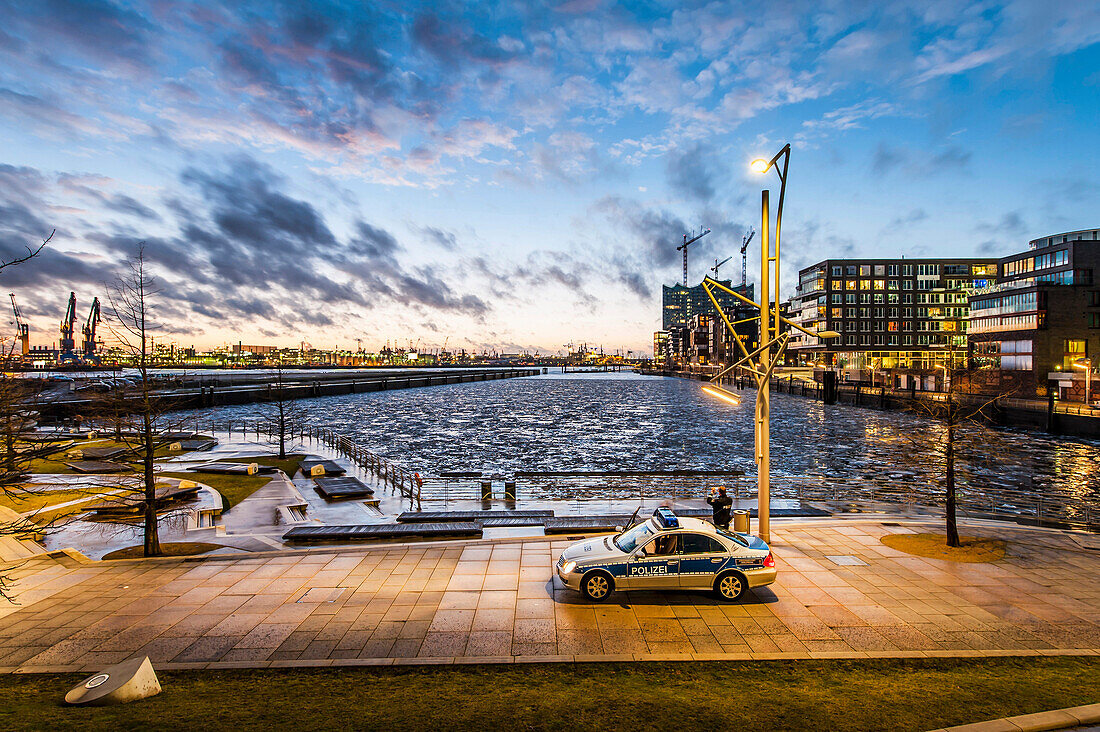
(365,532)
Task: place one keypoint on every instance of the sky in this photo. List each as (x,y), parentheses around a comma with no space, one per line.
(516,176)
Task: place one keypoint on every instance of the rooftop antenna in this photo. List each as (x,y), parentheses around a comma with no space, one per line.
(684,247)
(744,259)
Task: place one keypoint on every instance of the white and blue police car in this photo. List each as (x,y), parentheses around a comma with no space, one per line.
(668,552)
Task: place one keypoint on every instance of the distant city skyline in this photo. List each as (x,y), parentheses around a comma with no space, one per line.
(517,176)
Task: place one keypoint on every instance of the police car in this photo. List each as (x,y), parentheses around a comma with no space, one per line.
(668,552)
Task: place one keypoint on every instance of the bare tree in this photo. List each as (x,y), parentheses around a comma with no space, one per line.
(284,412)
(964,416)
(18,451)
(31,253)
(17,404)
(130,299)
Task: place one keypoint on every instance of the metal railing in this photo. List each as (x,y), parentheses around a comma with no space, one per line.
(802,387)
(400,480)
(835,492)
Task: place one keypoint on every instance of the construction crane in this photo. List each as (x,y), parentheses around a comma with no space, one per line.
(87,347)
(744,259)
(22,330)
(684,247)
(718,264)
(68,326)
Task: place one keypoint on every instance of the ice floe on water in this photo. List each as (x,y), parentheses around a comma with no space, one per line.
(628,422)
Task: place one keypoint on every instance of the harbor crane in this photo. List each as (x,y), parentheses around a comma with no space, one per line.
(718,264)
(87,346)
(684,248)
(67,346)
(22,330)
(744,259)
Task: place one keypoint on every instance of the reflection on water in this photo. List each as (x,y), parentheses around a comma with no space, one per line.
(630,422)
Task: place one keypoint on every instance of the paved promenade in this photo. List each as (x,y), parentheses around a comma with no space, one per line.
(841,593)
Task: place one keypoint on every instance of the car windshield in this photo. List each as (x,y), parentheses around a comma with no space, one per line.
(633,537)
(736,537)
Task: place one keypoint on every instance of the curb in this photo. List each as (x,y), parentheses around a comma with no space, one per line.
(580,658)
(1056,719)
(337,548)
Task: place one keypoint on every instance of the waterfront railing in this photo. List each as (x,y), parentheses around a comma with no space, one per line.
(835,494)
(857,494)
(402,481)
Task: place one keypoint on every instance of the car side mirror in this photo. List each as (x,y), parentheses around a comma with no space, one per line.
(618,529)
(640,554)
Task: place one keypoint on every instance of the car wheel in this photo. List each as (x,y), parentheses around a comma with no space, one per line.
(596,586)
(730,586)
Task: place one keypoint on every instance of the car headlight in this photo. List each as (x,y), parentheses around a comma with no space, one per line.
(568,567)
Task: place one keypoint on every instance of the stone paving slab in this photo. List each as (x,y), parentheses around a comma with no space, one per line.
(498,602)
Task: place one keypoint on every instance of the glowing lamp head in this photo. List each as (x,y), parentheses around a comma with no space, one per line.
(827,334)
(723,394)
(760,165)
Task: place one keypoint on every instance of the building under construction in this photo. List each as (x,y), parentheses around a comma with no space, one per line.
(689,331)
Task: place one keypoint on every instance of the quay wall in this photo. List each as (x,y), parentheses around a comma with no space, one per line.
(1058,418)
(298,387)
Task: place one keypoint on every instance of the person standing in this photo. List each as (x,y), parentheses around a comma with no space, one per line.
(720,504)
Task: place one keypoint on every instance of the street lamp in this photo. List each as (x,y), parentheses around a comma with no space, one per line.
(761,362)
(1086,364)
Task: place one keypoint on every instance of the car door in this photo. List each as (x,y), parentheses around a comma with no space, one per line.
(657,567)
(701,557)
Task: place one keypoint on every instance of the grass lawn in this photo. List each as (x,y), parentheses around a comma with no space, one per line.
(50,466)
(54,463)
(972,549)
(167,549)
(35,500)
(917,694)
(288,466)
(235,488)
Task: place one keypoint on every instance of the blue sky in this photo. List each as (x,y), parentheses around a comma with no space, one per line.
(517,175)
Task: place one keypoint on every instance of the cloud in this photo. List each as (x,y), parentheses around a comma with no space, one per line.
(696,171)
(373,243)
(1004,235)
(455,45)
(444,239)
(915,216)
(888,159)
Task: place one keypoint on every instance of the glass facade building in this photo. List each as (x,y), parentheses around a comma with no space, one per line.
(1030,329)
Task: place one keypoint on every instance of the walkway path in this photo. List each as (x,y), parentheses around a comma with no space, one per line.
(482,601)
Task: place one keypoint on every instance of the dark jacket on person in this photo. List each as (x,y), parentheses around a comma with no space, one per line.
(721,505)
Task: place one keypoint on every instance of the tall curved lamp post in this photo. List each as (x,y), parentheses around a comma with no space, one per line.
(761,362)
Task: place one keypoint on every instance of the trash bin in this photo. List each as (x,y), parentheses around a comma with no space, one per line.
(741,521)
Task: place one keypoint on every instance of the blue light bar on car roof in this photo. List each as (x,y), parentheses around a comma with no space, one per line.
(666,518)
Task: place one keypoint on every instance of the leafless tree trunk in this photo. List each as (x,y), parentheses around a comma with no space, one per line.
(130,298)
(949,460)
(17,402)
(285,413)
(961,413)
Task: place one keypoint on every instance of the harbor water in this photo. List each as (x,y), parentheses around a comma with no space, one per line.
(628,422)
